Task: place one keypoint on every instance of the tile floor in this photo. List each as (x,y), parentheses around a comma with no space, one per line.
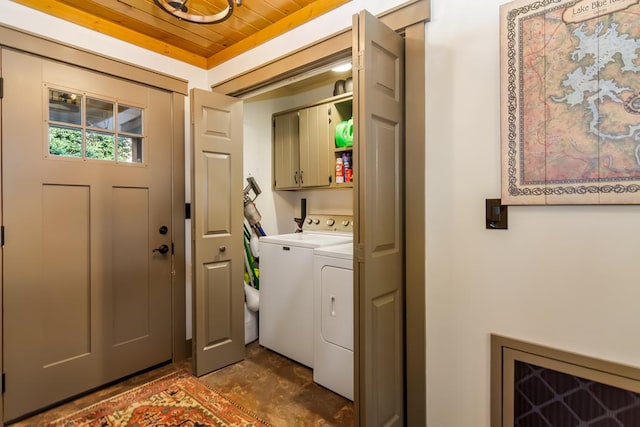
(277,389)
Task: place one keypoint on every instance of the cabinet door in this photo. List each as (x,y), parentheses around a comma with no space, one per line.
(315,157)
(286,163)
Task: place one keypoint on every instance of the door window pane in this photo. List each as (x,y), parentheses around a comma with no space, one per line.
(65,141)
(100,114)
(92,128)
(65,107)
(130,149)
(100,146)
(129,119)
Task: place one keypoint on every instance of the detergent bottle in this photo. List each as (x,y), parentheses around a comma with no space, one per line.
(339,170)
(346,162)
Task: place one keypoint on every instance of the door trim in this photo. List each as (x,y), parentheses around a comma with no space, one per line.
(181,347)
(1,258)
(415,214)
(409,19)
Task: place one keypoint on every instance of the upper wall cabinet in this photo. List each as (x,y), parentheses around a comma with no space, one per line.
(304,145)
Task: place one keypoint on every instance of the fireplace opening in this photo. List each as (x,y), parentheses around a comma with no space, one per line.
(536,386)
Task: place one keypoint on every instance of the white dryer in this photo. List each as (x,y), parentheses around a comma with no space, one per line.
(333,318)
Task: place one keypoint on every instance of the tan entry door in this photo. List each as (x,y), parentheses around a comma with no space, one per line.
(217,206)
(378,57)
(86,299)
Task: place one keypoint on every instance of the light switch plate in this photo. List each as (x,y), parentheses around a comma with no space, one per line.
(496,214)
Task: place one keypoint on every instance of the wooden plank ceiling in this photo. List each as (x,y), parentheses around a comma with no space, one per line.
(143,23)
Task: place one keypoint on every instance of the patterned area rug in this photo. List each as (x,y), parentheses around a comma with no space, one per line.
(178,399)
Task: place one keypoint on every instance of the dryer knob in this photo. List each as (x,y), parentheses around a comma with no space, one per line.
(309,221)
(316,221)
(330,222)
(345,222)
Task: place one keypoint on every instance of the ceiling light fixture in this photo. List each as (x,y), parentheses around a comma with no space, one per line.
(179,9)
(341,68)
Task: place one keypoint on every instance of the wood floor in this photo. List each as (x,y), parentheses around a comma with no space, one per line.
(275,388)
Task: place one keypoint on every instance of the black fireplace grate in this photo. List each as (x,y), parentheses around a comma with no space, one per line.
(547,398)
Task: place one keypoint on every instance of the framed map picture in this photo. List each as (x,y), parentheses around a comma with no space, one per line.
(570,102)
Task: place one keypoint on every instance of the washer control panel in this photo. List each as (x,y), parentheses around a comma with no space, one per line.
(324,222)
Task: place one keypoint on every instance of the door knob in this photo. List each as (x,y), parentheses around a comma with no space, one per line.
(163,249)
(222,248)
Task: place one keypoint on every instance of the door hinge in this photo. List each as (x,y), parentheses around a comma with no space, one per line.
(2,235)
(358,252)
(172,248)
(359,63)
(1,87)
(3,383)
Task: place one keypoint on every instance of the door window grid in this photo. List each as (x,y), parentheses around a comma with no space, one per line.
(81,126)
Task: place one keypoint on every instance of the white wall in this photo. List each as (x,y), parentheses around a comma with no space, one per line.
(563,276)
(279,208)
(321,27)
(258,164)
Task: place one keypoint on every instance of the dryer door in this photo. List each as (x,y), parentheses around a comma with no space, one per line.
(337,306)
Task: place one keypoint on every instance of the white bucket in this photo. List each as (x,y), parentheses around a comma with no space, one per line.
(250,325)
(251,306)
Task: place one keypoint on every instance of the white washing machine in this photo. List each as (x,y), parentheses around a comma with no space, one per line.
(286,284)
(333,318)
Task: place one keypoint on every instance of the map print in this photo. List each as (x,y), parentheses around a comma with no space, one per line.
(571,102)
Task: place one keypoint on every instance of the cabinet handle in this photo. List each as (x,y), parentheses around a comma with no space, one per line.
(295,177)
(301,180)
